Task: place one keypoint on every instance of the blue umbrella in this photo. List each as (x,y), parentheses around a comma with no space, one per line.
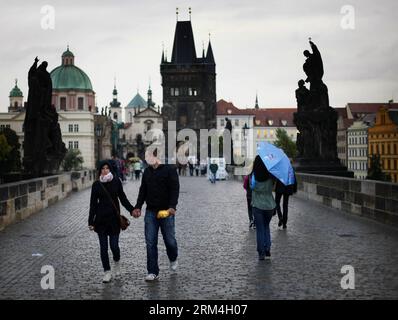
(277,162)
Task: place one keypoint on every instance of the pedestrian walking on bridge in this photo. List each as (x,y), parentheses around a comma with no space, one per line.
(160,189)
(104,215)
(263,206)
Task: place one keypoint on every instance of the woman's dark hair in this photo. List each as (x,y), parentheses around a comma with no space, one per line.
(260,172)
(103,163)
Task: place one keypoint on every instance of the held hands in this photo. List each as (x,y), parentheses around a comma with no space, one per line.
(172,211)
(136,213)
(91,228)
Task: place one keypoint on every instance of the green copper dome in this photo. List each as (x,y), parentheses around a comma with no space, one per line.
(69,77)
(16,92)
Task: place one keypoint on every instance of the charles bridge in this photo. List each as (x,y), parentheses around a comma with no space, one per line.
(335,225)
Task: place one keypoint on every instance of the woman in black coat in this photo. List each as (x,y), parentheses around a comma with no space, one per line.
(104,215)
(286,192)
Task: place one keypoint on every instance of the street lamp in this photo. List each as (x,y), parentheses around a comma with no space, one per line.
(245,128)
(245,131)
(98,133)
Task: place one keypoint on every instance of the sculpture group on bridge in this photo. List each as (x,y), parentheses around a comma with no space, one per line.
(43,146)
(316,121)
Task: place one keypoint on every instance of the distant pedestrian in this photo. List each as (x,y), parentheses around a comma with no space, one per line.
(104,215)
(116,167)
(160,190)
(213,171)
(191,167)
(137,170)
(286,192)
(197,168)
(246,186)
(263,206)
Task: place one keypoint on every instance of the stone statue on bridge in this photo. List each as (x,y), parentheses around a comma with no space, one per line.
(316,121)
(43,146)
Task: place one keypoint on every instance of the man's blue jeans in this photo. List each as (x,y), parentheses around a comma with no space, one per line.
(167,227)
(263,218)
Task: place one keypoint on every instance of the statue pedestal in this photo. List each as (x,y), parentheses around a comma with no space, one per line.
(322,167)
(317,143)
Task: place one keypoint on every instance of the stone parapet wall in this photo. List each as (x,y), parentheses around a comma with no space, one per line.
(19,200)
(371,199)
(367,198)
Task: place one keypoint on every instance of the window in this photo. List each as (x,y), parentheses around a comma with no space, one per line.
(76,128)
(271,133)
(16,104)
(258,133)
(80,103)
(148,125)
(265,134)
(115,116)
(62,102)
(222,122)
(172,91)
(176,92)
(70,145)
(70,128)
(237,122)
(270,122)
(76,144)
(382,149)
(388,149)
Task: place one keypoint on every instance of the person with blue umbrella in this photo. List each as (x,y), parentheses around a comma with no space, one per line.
(263,206)
(280,167)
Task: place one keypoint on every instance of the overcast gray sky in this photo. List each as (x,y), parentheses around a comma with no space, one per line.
(257,45)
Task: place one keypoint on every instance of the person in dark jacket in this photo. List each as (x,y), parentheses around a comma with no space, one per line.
(104,215)
(246,186)
(213,171)
(160,190)
(286,192)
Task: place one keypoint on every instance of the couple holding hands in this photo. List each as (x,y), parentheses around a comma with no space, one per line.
(159,190)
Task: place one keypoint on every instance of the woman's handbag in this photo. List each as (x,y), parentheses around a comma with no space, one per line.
(124,222)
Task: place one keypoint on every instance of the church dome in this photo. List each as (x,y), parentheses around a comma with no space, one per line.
(69,77)
(15,92)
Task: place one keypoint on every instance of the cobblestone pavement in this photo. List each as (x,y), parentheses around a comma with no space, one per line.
(218,258)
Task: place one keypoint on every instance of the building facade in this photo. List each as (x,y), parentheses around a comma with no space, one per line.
(383,140)
(357,149)
(254,125)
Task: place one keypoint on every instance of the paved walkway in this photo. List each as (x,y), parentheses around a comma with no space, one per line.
(218,258)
